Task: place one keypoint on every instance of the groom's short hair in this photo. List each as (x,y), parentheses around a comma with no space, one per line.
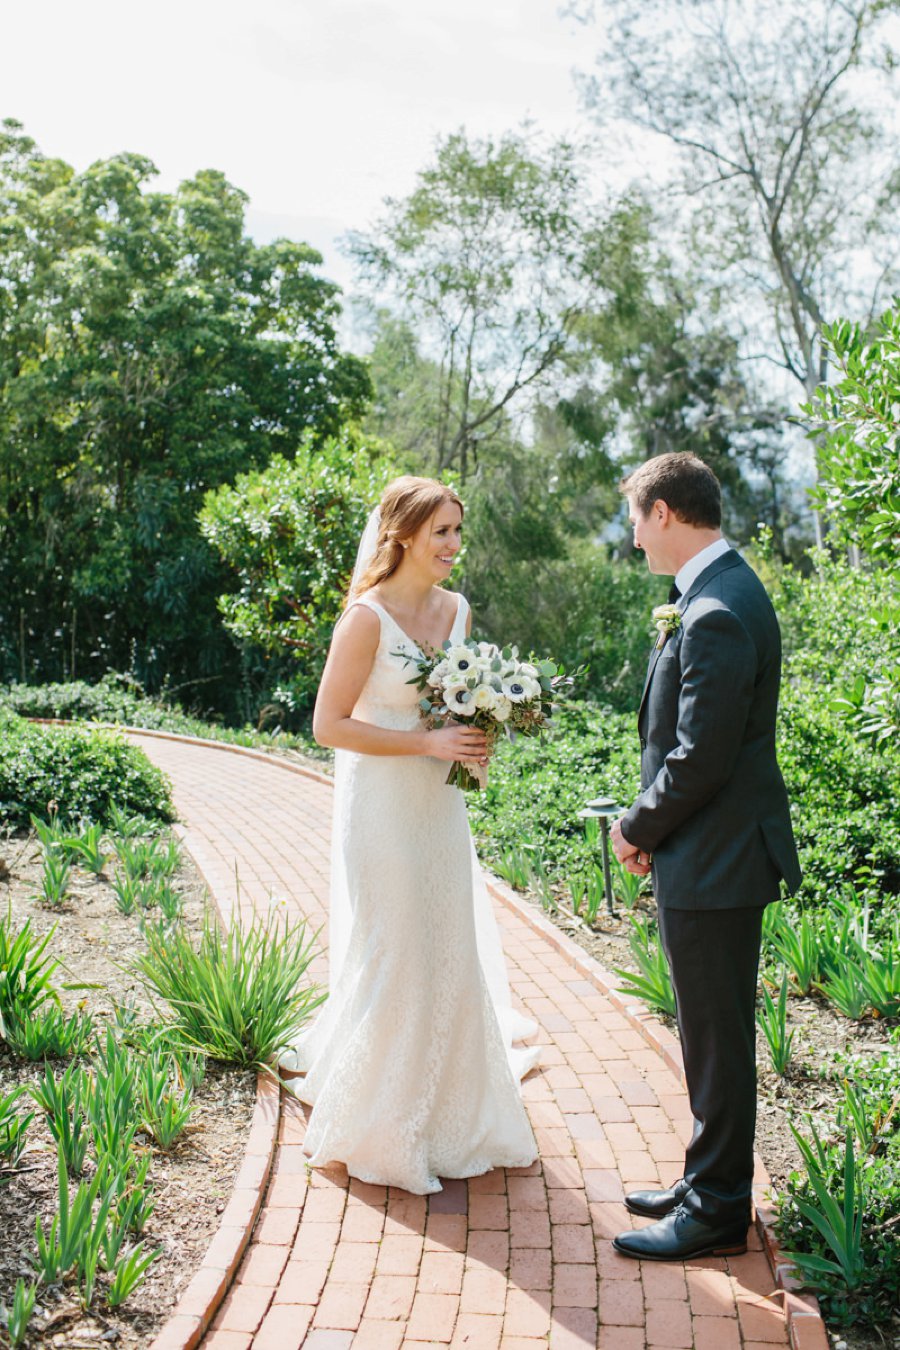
(688,487)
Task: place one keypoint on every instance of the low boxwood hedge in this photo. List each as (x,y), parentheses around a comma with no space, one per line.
(77,772)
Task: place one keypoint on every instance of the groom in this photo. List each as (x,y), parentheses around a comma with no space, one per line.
(712,824)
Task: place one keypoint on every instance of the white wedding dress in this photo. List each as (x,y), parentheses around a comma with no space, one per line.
(410,1066)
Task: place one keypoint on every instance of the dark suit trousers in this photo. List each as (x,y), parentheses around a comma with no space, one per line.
(714,958)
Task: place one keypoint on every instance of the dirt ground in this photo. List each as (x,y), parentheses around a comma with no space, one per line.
(192,1182)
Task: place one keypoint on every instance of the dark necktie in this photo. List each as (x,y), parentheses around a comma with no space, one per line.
(674,594)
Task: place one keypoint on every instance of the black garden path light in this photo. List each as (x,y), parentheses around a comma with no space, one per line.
(603,810)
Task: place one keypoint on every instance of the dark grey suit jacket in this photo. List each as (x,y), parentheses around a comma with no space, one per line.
(713,810)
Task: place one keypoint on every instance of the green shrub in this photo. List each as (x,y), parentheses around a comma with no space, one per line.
(83,771)
(843,799)
(583,606)
(537,787)
(843,796)
(115,698)
(288,534)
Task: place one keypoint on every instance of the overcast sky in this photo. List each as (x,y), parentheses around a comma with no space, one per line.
(316,108)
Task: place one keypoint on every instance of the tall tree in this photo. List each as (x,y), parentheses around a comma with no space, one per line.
(149,351)
(784,151)
(646,371)
(485,260)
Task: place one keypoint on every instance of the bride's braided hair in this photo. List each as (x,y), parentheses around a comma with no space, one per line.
(406,504)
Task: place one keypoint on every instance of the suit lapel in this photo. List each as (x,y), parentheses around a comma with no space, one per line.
(720,564)
(651,666)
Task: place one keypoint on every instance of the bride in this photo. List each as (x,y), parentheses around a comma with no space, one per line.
(410,1067)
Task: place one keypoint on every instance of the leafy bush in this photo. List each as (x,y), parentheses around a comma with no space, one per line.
(289,533)
(537,787)
(115,698)
(841,630)
(843,797)
(82,771)
(582,606)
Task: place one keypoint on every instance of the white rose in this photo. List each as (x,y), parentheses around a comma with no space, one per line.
(502,707)
(439,674)
(484,697)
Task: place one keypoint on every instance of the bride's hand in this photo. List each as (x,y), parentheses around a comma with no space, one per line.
(457,742)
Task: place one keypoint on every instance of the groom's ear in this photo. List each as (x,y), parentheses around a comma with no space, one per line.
(661,512)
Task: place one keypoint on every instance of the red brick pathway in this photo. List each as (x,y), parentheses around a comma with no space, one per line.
(517,1259)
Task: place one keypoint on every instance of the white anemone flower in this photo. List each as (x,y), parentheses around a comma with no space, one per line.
(458,698)
(518,688)
(461,660)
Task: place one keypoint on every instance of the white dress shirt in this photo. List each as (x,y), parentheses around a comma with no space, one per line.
(688,574)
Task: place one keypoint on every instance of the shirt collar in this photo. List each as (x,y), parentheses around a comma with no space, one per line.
(688,574)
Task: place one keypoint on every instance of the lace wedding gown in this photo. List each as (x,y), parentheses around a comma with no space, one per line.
(410,1066)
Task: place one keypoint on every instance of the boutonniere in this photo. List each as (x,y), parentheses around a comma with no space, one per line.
(666,620)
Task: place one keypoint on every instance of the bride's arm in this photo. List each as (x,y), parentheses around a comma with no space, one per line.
(349,665)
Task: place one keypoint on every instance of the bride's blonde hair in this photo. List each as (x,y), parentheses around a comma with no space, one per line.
(406,504)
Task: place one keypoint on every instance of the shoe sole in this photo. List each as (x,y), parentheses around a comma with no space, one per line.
(738,1249)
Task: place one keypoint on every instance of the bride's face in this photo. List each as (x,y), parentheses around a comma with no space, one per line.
(435,545)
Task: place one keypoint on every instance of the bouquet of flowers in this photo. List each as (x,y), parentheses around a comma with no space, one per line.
(488,687)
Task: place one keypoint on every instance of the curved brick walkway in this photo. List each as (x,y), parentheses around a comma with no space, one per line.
(512,1259)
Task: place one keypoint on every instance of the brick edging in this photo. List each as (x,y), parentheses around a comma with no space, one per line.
(200,1300)
(802,1314)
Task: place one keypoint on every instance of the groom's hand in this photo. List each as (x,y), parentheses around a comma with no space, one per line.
(631,858)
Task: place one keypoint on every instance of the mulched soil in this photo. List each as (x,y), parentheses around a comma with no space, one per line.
(193,1182)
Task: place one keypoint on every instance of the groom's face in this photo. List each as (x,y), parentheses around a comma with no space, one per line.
(651,535)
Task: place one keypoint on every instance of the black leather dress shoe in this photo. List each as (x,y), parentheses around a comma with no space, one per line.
(657,1204)
(679,1237)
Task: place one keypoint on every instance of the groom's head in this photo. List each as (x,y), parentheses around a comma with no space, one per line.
(675,507)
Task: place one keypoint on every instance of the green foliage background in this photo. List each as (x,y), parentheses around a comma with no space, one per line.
(149,352)
(290,534)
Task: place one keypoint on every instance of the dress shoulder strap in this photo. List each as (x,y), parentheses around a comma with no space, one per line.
(462,614)
(369,604)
